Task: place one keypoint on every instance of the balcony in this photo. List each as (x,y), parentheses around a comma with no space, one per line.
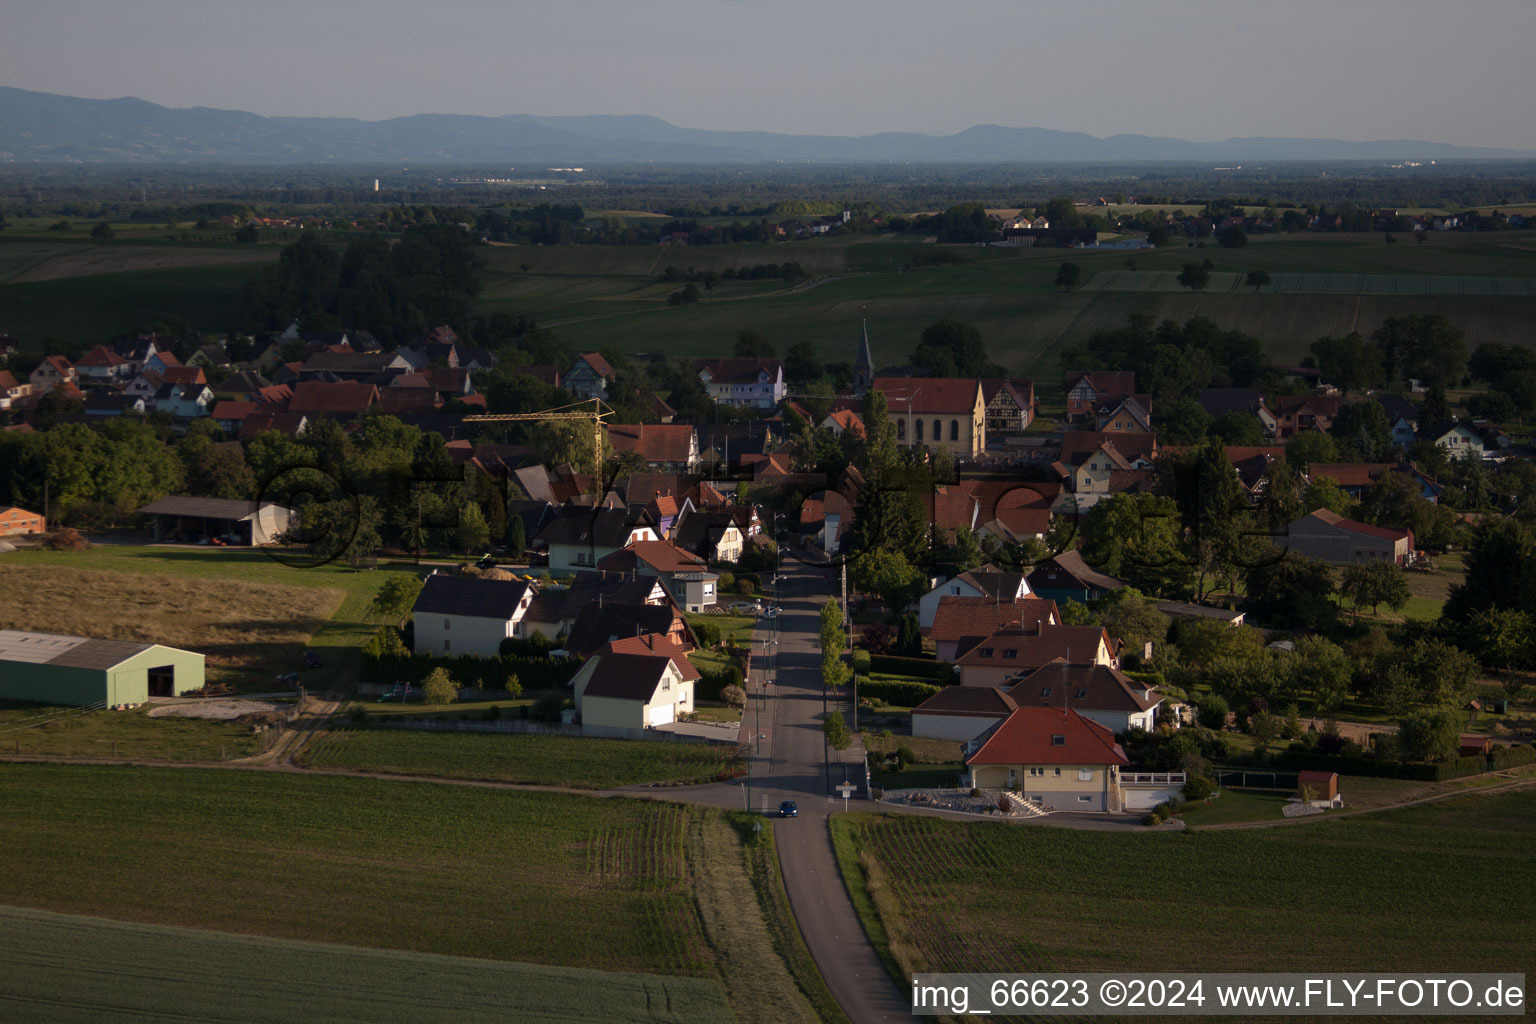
(1152,778)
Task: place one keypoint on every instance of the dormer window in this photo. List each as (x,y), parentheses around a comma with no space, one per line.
(1012,652)
(1058,741)
(1045,691)
(986,652)
(1082,694)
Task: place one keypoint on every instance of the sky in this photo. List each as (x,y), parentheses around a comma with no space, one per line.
(1195,69)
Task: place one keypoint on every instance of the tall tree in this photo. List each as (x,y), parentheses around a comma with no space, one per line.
(949,348)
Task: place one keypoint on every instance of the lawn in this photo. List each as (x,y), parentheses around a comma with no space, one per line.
(338,641)
(69,732)
(542,878)
(1233,805)
(576,762)
(250,632)
(917,776)
(114,970)
(1348,894)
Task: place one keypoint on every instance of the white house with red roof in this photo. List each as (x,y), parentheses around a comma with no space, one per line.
(635,683)
(1053,757)
(1329,537)
(101,363)
(589,377)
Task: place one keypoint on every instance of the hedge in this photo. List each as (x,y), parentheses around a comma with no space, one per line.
(1150,678)
(893,691)
(1513,757)
(1417,771)
(469,670)
(712,681)
(926,668)
(860,663)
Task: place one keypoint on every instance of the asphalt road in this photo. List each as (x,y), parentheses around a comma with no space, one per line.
(791,765)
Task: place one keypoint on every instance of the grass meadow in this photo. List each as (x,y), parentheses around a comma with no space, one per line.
(36,730)
(175,572)
(540,878)
(575,762)
(1378,892)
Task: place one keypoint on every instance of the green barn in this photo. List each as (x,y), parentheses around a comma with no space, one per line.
(87,672)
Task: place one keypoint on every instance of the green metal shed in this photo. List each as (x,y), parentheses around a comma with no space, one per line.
(85,671)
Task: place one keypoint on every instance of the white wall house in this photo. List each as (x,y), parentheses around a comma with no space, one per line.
(466,615)
(635,683)
(1005,586)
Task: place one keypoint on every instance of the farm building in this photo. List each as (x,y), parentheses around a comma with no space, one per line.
(191,520)
(1329,537)
(86,672)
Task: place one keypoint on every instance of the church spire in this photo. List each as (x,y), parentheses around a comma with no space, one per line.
(864,365)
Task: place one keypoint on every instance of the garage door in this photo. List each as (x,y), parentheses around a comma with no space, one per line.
(660,714)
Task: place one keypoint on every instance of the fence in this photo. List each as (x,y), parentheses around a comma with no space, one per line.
(1152,778)
(1256,780)
(518,726)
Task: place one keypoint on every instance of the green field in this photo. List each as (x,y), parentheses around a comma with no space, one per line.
(338,642)
(56,968)
(1379,892)
(36,730)
(542,878)
(576,762)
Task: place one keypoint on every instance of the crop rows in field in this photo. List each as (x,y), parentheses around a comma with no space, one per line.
(1336,283)
(526,759)
(1373,893)
(58,968)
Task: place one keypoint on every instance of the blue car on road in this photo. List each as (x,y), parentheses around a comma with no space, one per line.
(787,809)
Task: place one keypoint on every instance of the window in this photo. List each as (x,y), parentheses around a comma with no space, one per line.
(1057,772)
(1058,740)
(919,428)
(1011,652)
(446,624)
(901,430)
(955,589)
(666,682)
(1085,799)
(986,652)
(1082,694)
(1045,691)
(1085,775)
(447,645)
(1037,772)
(954,430)
(709,588)
(938,431)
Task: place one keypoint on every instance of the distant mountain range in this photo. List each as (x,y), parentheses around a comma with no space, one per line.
(40,127)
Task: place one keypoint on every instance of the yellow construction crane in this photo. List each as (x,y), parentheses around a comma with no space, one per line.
(575,412)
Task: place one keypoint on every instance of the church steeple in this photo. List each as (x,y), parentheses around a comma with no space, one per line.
(864,364)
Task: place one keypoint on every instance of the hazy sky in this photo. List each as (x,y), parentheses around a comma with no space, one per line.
(1198,69)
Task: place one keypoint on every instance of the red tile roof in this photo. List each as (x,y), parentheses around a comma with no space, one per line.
(233,410)
(1382,532)
(848,420)
(599,365)
(1014,648)
(1347,474)
(184,375)
(968,702)
(342,397)
(660,555)
(1029,736)
(924,395)
(957,618)
(653,442)
(656,645)
(100,355)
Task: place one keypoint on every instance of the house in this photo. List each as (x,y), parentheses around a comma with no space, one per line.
(635,683)
(963,622)
(11,389)
(581,537)
(714,536)
(209,356)
(162,360)
(187,520)
(555,610)
(1460,440)
(825,519)
(1010,403)
(1015,651)
(1323,788)
(1356,478)
(988,581)
(1138,449)
(230,414)
(456,615)
(15,521)
(673,446)
(961,712)
(357,366)
(1403,415)
(1205,612)
(185,401)
(1087,392)
(145,385)
(1294,414)
(1057,759)
(1130,414)
(1217,402)
(1329,537)
(102,364)
(1472,744)
(946,412)
(53,372)
(338,400)
(1106,695)
(1067,577)
(290,423)
(1096,473)
(686,576)
(590,376)
(841,421)
(743,383)
(603,621)
(113,403)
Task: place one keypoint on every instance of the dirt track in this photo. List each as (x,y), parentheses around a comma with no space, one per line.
(112,259)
